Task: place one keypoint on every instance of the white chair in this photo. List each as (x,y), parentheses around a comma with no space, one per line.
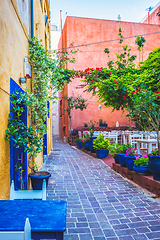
(28,194)
(105,134)
(85,132)
(17,235)
(96,133)
(132,138)
(113,137)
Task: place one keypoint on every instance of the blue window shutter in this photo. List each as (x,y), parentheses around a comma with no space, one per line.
(48,107)
(17,153)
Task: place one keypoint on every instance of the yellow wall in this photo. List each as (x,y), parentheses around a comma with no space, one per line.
(13,49)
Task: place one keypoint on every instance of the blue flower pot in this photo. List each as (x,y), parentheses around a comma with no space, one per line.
(102,153)
(87,146)
(79,145)
(154,166)
(83,146)
(37,179)
(129,160)
(103,125)
(142,170)
(121,159)
(116,159)
(91,145)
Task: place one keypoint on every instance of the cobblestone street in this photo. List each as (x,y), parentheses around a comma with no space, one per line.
(101,204)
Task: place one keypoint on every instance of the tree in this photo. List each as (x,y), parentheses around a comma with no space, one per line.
(75,102)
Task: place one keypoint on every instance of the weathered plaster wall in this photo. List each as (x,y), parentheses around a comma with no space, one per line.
(13,48)
(83,31)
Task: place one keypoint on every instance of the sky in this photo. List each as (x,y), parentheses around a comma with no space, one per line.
(129,10)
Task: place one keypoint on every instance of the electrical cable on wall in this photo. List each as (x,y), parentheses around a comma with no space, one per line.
(111,40)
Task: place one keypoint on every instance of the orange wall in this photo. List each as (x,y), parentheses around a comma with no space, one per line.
(82,31)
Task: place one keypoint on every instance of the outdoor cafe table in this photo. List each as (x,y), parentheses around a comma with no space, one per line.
(149,142)
(47,218)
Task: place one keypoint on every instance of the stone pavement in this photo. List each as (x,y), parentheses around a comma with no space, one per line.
(101,204)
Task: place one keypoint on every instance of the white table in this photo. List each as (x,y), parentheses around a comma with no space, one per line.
(149,143)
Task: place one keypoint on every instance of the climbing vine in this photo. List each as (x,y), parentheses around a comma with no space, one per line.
(75,102)
(49,76)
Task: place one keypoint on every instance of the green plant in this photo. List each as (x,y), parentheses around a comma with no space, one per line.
(155,153)
(75,102)
(78,140)
(141,161)
(86,136)
(146,112)
(22,136)
(48,78)
(131,151)
(114,149)
(100,121)
(100,142)
(124,147)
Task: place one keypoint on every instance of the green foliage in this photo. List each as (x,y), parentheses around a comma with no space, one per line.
(100,142)
(140,42)
(75,102)
(106,50)
(91,125)
(130,151)
(100,121)
(155,153)
(124,147)
(114,149)
(22,135)
(141,161)
(48,78)
(146,112)
(78,140)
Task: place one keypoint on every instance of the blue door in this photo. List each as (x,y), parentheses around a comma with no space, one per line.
(45,135)
(17,155)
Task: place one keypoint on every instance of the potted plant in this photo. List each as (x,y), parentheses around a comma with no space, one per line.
(91,125)
(122,153)
(130,157)
(25,137)
(101,145)
(141,165)
(154,164)
(86,142)
(114,150)
(79,142)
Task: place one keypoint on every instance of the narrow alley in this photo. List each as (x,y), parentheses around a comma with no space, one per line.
(101,204)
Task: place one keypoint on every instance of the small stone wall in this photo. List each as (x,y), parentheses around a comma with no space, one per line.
(144,181)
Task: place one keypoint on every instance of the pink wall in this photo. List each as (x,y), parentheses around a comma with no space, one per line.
(153,17)
(82,31)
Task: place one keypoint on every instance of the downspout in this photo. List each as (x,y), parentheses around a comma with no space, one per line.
(32,30)
(32,20)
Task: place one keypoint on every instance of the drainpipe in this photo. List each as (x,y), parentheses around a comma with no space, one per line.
(32,20)
(32,28)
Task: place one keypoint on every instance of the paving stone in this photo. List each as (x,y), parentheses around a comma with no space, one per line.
(126,238)
(140,237)
(109,233)
(71,237)
(97,232)
(85,236)
(101,204)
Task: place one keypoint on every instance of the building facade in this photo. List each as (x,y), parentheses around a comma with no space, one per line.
(92,36)
(19,21)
